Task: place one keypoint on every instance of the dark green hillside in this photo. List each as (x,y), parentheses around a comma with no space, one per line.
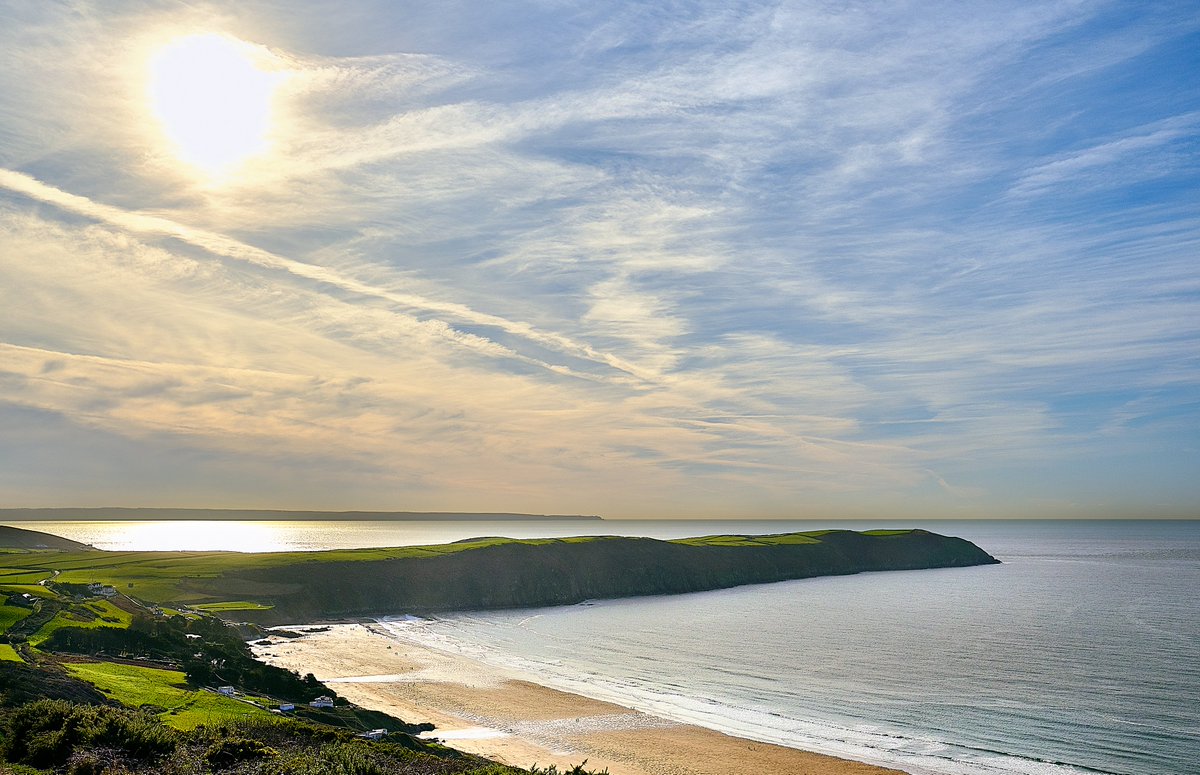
(560,572)
(18,538)
(485,573)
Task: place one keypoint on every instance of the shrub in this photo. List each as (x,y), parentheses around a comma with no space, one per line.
(237,749)
(47,734)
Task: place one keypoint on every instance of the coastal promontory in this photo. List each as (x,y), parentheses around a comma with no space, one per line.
(483,573)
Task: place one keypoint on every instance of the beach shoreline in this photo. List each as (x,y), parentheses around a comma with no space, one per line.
(485,710)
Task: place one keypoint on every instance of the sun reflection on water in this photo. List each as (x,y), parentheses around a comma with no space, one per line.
(196,536)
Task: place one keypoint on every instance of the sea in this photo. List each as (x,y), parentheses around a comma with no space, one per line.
(1080,653)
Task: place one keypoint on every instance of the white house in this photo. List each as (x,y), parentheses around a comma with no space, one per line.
(374,734)
(228,691)
(322,702)
(96,588)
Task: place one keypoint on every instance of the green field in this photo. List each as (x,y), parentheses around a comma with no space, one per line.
(23,575)
(167,611)
(9,654)
(232,605)
(277,587)
(163,690)
(785,539)
(179,577)
(100,613)
(10,615)
(32,589)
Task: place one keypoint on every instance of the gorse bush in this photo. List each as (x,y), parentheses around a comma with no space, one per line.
(231,750)
(47,733)
(68,739)
(97,761)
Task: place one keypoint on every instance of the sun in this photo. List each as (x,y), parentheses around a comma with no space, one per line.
(213,99)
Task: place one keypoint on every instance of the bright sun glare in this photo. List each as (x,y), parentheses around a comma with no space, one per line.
(213,100)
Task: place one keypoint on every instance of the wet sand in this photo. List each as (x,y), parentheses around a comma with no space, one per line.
(482,710)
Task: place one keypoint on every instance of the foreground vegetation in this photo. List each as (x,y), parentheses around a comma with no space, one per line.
(165,693)
(54,736)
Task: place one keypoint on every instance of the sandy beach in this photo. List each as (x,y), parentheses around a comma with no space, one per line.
(480,709)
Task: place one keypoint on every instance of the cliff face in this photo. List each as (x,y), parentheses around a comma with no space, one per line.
(520,574)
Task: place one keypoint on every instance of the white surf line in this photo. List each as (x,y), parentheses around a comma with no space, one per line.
(219,244)
(467,733)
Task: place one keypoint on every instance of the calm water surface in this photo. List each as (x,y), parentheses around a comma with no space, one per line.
(1081,653)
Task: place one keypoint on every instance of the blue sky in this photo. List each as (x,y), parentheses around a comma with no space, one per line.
(675,259)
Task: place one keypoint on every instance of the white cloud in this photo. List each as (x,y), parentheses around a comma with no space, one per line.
(718,257)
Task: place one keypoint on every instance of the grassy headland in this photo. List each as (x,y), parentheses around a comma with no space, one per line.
(481,573)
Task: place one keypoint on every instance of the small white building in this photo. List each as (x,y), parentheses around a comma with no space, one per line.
(104,590)
(322,702)
(287,707)
(374,734)
(228,691)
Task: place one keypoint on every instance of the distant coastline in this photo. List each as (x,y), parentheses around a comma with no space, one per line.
(153,514)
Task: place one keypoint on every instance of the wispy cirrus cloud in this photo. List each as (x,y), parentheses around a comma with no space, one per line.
(720,259)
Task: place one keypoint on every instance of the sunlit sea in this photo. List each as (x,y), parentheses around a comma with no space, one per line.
(1080,653)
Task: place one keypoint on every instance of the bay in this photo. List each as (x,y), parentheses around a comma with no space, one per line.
(1080,653)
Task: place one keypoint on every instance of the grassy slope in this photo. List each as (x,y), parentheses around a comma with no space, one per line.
(488,572)
(164,690)
(33,589)
(166,577)
(179,576)
(97,613)
(231,605)
(10,615)
(23,575)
